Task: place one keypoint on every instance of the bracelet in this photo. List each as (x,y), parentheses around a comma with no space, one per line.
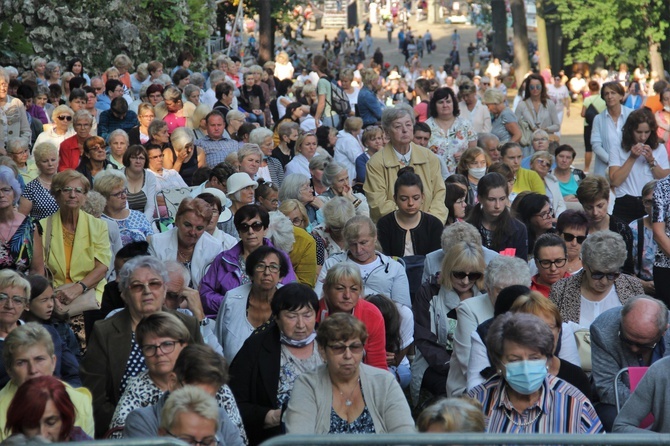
(357,203)
(653,164)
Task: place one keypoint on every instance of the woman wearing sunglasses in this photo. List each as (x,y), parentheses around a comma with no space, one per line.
(537,109)
(461,277)
(542,162)
(62,127)
(582,297)
(573,227)
(535,211)
(229,269)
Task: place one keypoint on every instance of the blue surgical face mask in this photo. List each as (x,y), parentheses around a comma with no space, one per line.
(526,377)
(309,228)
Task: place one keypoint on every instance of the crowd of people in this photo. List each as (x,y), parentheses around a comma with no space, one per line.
(232,254)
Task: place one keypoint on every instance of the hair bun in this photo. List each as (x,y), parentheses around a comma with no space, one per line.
(405,170)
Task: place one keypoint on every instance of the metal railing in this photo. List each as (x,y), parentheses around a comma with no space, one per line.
(471,439)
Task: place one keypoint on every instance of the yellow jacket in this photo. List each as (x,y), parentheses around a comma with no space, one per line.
(382,172)
(81,398)
(91,242)
(528,180)
(303,257)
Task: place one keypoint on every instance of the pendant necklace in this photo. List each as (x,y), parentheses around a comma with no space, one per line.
(347,401)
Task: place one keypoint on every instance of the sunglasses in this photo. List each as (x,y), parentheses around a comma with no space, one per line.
(65,118)
(339,349)
(244,227)
(535,87)
(597,275)
(472,277)
(570,237)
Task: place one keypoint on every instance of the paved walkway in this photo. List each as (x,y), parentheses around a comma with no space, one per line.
(572,128)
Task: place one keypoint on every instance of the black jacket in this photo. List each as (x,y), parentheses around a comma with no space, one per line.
(425,237)
(254,380)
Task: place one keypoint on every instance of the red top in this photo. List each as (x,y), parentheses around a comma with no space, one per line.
(544,289)
(69,154)
(375,348)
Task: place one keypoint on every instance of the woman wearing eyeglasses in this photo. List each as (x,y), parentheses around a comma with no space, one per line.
(344,396)
(161,337)
(229,269)
(94,159)
(537,109)
(535,211)
(461,277)
(582,297)
(133,225)
(62,127)
(115,353)
(247,306)
(541,163)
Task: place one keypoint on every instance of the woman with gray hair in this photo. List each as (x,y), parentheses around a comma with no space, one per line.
(336,213)
(336,179)
(297,186)
(19,151)
(249,157)
(520,346)
(383,275)
(383,167)
(176,113)
(118,144)
(17,120)
(114,355)
(184,157)
(271,169)
(600,285)
(504,123)
(36,200)
(62,126)
(52,73)
(541,163)
(16,229)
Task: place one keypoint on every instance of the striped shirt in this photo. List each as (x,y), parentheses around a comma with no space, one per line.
(561,409)
(217,151)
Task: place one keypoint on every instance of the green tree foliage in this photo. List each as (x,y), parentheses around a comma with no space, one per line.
(619,30)
(97,30)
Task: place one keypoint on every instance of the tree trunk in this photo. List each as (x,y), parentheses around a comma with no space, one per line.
(521,61)
(499,19)
(656,59)
(542,42)
(266,33)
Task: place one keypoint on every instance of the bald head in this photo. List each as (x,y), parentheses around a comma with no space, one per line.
(644,320)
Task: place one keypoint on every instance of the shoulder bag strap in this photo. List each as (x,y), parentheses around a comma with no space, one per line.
(46,242)
(640,243)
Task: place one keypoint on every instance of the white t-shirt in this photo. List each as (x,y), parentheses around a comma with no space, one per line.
(640,174)
(558,95)
(590,310)
(368,268)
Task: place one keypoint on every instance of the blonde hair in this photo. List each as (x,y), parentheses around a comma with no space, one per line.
(463,256)
(453,415)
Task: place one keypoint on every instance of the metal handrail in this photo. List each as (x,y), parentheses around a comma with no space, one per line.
(471,439)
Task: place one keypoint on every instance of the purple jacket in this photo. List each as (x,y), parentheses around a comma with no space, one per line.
(225,274)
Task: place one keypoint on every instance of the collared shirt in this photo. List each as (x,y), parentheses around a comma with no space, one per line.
(561,409)
(404,159)
(216,151)
(612,138)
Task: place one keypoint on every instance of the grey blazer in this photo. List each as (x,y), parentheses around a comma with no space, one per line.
(609,355)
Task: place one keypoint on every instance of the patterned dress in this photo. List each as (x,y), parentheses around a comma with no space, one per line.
(44,204)
(17,252)
(447,143)
(134,228)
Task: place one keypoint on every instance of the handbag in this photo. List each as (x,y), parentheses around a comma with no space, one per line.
(583,340)
(526,130)
(85,302)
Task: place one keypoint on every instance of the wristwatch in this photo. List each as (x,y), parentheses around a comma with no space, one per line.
(653,164)
(83,285)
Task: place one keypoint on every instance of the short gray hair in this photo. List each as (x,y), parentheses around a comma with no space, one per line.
(319,162)
(290,187)
(44,149)
(25,336)
(337,212)
(391,114)
(354,226)
(604,251)
(140,262)
(459,231)
(118,132)
(216,76)
(258,136)
(198,80)
(83,115)
(15,142)
(503,271)
(172,266)
(95,203)
(155,126)
(7,177)
(180,137)
(341,270)
(234,114)
(484,138)
(524,329)
(542,154)
(280,232)
(10,278)
(190,89)
(189,399)
(332,169)
(248,149)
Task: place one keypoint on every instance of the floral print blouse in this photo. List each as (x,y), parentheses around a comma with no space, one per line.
(447,143)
